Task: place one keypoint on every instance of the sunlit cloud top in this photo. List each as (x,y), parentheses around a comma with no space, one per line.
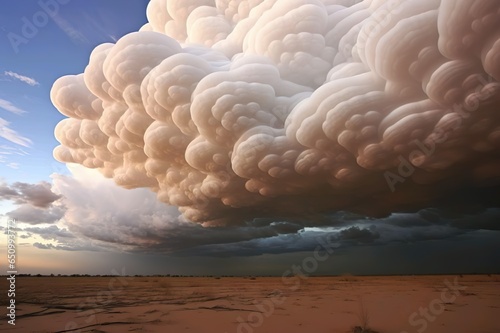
(232,110)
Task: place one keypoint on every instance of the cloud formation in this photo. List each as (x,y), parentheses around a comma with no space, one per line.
(98,215)
(38,195)
(9,134)
(7,153)
(237,109)
(6,105)
(37,204)
(34,215)
(51,233)
(26,79)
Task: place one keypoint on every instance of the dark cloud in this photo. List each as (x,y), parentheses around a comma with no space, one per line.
(488,220)
(51,233)
(375,232)
(133,220)
(36,203)
(50,246)
(7,192)
(43,246)
(34,215)
(66,247)
(359,235)
(38,195)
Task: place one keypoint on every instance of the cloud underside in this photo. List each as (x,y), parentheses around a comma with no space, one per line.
(231,109)
(87,212)
(273,122)
(98,215)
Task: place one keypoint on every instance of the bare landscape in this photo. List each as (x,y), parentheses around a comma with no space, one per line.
(402,304)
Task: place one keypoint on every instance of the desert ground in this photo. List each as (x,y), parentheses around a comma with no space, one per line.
(393,304)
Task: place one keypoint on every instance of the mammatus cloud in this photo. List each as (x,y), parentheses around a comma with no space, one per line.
(235,109)
(26,79)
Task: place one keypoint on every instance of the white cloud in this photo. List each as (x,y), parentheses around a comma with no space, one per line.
(6,105)
(99,209)
(70,31)
(10,135)
(8,150)
(291,107)
(7,153)
(26,79)
(13,165)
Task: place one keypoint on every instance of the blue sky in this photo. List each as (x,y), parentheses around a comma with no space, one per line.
(57,48)
(85,223)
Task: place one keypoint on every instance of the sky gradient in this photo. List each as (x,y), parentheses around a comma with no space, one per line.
(240,154)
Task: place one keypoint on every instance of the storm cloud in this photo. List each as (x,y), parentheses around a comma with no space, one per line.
(101,216)
(234,110)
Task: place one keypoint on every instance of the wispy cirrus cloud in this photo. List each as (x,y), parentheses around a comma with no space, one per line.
(99,26)
(26,79)
(7,153)
(9,106)
(8,150)
(13,165)
(10,135)
(70,31)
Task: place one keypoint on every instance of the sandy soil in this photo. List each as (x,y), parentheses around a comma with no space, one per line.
(468,304)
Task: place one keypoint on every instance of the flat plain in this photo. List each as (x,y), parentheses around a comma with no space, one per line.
(389,304)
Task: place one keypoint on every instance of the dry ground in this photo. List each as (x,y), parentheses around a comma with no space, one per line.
(245,305)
